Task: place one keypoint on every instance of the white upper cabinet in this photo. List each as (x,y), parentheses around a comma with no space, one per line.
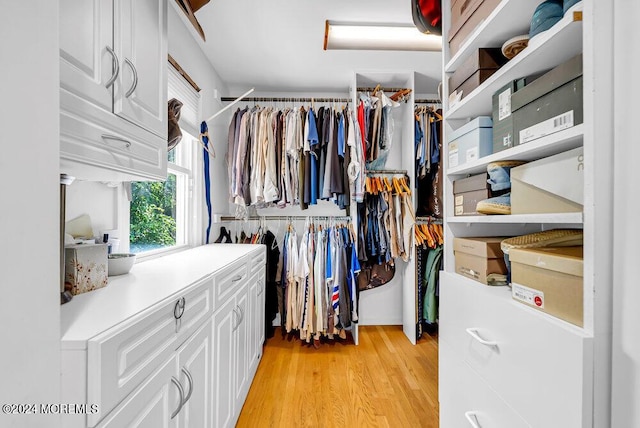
(113,89)
(140,36)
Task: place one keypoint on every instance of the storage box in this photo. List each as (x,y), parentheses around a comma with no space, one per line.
(467,192)
(471,141)
(85,267)
(550,280)
(502,113)
(466,15)
(551,103)
(476,258)
(549,185)
(476,69)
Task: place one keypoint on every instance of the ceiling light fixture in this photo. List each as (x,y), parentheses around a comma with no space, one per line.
(368,36)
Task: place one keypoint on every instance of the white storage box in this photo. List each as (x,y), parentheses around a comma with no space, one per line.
(471,141)
(549,185)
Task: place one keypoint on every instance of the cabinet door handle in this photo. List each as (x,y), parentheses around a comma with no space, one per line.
(236,323)
(181,392)
(236,278)
(472,419)
(190,378)
(473,332)
(115,65)
(135,78)
(241,315)
(126,142)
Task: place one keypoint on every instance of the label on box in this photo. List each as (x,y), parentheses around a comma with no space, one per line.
(506,141)
(453,155)
(459,200)
(504,104)
(459,210)
(527,295)
(472,154)
(549,126)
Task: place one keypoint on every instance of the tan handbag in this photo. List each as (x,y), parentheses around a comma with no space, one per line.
(175,134)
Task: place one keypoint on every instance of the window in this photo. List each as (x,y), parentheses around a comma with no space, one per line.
(164,215)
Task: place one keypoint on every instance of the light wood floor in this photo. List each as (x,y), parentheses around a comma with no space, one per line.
(385,381)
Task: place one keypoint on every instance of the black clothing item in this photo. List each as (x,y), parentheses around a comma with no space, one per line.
(271,293)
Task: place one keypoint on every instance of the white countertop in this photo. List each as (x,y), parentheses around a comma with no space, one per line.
(148,283)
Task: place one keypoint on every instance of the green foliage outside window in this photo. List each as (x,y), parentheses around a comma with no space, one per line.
(153,214)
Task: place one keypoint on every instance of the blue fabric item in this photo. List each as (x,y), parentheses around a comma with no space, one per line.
(546,15)
(499,176)
(504,200)
(568,4)
(328,267)
(435,144)
(341,135)
(207,179)
(313,141)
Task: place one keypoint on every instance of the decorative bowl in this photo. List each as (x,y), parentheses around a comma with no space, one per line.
(120,263)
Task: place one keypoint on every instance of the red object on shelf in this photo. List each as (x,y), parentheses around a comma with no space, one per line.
(427,15)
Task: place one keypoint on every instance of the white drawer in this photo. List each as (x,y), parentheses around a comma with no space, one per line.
(198,307)
(121,358)
(258,261)
(541,366)
(228,281)
(466,399)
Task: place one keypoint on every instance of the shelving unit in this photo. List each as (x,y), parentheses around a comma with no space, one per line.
(490,312)
(545,51)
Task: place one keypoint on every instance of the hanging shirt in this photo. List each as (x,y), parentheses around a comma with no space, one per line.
(312,141)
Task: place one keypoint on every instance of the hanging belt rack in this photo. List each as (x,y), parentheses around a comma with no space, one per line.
(386,172)
(287,217)
(428,220)
(289,100)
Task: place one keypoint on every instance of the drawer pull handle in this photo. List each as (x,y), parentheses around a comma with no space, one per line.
(181,392)
(474,333)
(115,65)
(236,319)
(472,418)
(241,315)
(126,142)
(135,78)
(178,309)
(190,378)
(236,278)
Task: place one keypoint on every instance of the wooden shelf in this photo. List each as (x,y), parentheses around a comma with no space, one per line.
(549,145)
(545,51)
(509,19)
(552,218)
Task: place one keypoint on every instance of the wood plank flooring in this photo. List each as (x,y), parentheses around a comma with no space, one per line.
(385,381)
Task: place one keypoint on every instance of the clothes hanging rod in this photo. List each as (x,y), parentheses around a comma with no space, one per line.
(380,88)
(287,217)
(289,99)
(386,171)
(235,101)
(425,101)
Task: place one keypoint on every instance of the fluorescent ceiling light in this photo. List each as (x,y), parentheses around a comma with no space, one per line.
(366,36)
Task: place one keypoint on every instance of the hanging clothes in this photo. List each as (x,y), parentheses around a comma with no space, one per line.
(293,157)
(375,120)
(428,147)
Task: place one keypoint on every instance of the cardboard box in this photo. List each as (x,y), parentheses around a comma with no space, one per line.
(476,69)
(466,15)
(471,141)
(476,258)
(551,103)
(502,113)
(467,192)
(550,280)
(85,267)
(549,185)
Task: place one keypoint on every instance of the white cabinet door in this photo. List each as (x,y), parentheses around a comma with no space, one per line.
(87,59)
(151,405)
(256,320)
(224,362)
(242,338)
(140,28)
(195,363)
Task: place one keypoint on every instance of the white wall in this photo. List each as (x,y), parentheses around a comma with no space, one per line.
(107,206)
(626,292)
(29,219)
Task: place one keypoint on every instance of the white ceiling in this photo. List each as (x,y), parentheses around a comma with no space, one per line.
(277,45)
